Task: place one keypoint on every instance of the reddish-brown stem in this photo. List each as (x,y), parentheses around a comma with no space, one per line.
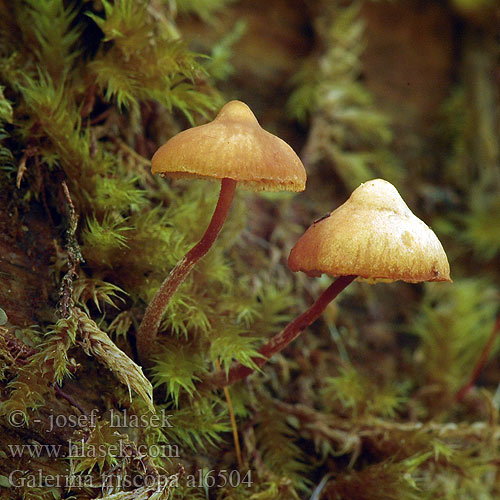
(480,362)
(282,339)
(70,399)
(148,329)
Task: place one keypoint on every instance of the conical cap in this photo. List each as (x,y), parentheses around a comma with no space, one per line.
(235,146)
(373,235)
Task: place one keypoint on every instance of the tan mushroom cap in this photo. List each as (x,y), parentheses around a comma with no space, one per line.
(235,146)
(373,235)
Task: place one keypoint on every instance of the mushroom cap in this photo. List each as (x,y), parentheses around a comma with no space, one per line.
(235,146)
(375,236)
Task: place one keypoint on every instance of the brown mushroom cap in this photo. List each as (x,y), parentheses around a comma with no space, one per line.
(373,235)
(234,146)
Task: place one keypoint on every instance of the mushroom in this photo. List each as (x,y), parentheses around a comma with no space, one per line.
(373,236)
(232,148)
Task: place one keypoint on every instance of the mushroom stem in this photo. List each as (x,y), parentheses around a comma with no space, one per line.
(148,329)
(282,339)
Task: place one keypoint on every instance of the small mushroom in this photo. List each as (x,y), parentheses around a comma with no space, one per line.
(373,236)
(232,148)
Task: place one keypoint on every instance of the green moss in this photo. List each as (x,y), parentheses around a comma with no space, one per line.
(361,395)
(347,130)
(454,325)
